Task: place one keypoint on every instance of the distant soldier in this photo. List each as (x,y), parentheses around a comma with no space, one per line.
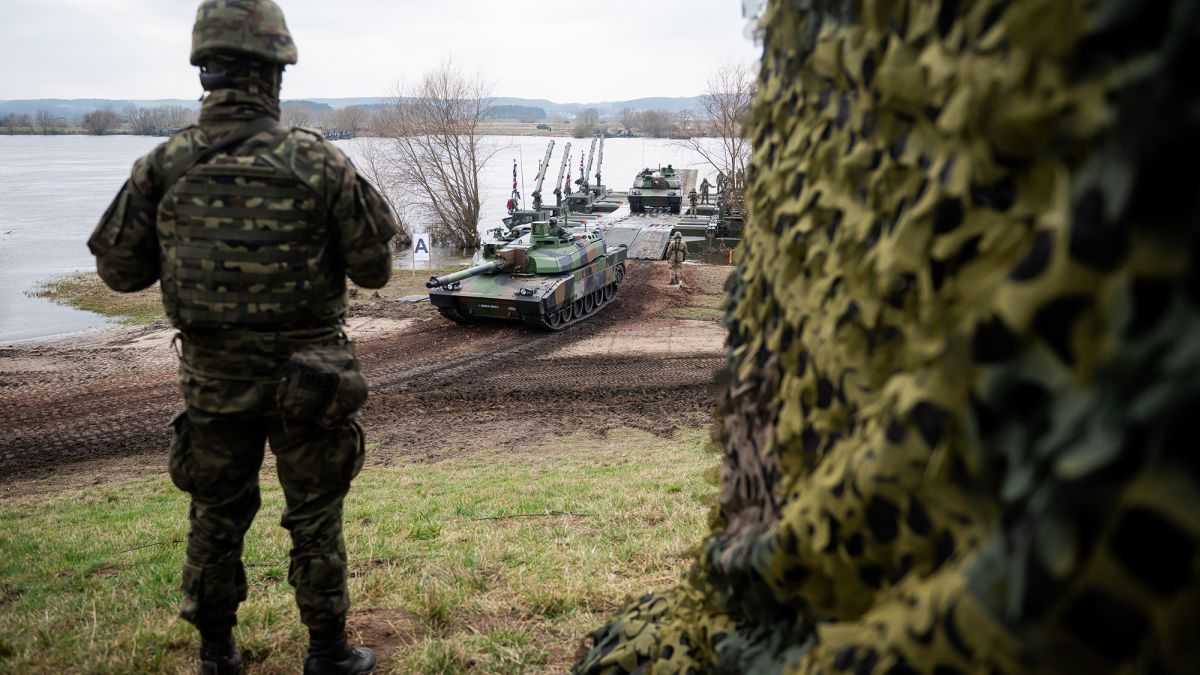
(252,228)
(692,201)
(705,186)
(722,181)
(676,254)
(741,180)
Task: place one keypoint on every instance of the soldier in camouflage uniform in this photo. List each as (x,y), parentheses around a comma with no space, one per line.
(692,197)
(705,186)
(963,363)
(676,254)
(252,228)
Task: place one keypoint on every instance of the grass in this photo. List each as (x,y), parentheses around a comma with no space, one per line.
(86,291)
(706,293)
(490,562)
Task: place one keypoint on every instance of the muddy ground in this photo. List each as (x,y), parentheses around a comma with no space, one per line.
(96,408)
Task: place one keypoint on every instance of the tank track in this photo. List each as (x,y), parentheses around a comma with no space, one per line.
(578,311)
(456,316)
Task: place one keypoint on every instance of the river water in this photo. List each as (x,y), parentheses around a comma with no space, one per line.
(53,189)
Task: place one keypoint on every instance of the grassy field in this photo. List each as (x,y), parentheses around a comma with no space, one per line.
(488,562)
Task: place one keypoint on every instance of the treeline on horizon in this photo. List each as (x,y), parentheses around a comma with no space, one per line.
(349,121)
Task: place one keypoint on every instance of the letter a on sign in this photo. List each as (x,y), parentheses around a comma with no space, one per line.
(421,246)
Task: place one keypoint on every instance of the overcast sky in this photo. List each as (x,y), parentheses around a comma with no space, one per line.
(565,51)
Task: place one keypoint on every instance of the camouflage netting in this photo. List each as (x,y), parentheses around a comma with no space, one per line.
(964,352)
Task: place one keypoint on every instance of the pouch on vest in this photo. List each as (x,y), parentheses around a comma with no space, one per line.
(323,385)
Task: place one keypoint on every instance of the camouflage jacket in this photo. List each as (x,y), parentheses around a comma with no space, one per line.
(231,370)
(677,252)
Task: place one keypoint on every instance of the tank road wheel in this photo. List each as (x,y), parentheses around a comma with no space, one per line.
(589,303)
(579,308)
(554,320)
(567,313)
(609,290)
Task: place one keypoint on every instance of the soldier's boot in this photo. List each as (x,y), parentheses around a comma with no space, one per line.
(219,655)
(330,654)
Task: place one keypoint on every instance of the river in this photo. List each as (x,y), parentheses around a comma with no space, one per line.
(53,189)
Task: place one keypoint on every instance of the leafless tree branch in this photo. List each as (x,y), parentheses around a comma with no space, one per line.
(435,149)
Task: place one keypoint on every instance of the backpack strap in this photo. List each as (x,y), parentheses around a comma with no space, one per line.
(231,140)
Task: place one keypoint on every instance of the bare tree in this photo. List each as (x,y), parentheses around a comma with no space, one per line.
(143,121)
(375,163)
(99,122)
(296,115)
(725,111)
(628,118)
(45,123)
(350,119)
(9,122)
(436,150)
(684,125)
(586,122)
(176,116)
(656,123)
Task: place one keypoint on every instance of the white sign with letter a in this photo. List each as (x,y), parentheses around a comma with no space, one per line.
(421,246)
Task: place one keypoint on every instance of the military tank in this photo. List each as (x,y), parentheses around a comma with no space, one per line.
(555,278)
(659,190)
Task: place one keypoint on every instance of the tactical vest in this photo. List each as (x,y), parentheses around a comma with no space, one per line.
(245,245)
(676,253)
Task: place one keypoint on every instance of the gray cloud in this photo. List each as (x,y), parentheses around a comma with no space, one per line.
(561,50)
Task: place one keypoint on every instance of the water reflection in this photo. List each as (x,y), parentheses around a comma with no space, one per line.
(54,188)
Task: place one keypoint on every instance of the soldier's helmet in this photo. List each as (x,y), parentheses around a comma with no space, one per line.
(254,29)
(678,235)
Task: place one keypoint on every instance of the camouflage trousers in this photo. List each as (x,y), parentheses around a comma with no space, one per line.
(216,459)
(676,273)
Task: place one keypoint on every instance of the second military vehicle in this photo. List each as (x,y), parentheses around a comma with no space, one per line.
(553,279)
(658,190)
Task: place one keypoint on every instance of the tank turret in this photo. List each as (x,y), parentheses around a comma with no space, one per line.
(659,189)
(555,278)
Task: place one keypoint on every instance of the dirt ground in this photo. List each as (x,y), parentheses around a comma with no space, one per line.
(96,409)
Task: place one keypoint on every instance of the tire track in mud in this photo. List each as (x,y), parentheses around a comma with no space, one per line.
(436,388)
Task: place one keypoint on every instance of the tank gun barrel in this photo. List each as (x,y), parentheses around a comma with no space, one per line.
(545,168)
(562,168)
(482,268)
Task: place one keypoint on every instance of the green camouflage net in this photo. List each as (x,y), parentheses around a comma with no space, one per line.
(963,352)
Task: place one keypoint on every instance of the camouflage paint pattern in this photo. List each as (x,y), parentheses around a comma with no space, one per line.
(541,278)
(962,345)
(677,252)
(667,195)
(216,459)
(224,240)
(252,28)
